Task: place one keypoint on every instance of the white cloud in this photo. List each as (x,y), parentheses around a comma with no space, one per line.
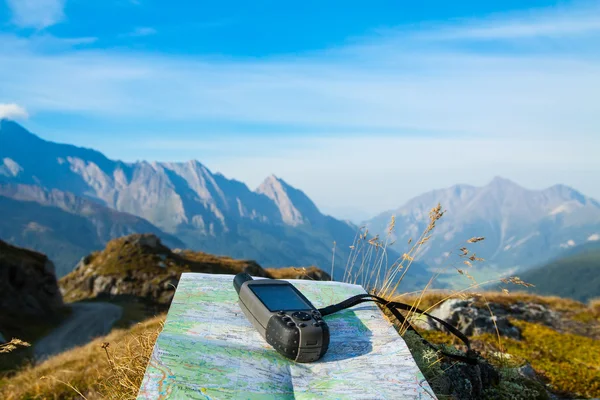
(431,113)
(579,18)
(381,83)
(37,14)
(12,111)
(594,238)
(507,96)
(569,243)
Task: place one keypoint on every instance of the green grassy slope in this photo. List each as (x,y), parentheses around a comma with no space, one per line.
(575,275)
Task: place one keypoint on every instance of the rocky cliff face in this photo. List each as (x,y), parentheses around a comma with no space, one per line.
(28,288)
(142,268)
(295,208)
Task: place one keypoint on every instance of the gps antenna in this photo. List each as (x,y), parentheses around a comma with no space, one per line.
(239,280)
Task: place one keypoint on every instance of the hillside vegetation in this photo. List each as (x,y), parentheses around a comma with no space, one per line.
(559,341)
(575,275)
(93,371)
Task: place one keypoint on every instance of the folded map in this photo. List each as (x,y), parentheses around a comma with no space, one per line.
(209,350)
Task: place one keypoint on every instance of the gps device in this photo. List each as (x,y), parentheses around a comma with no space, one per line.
(283,317)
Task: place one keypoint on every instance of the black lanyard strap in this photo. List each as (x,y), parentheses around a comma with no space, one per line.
(394,306)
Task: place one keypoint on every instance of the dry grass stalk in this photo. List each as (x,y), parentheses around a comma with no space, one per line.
(128,365)
(12,345)
(374,257)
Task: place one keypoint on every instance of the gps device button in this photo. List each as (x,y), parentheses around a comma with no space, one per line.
(286,319)
(302,325)
(281,312)
(291,324)
(301,316)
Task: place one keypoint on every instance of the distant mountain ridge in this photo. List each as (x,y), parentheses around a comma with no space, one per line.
(522,228)
(64,226)
(276,225)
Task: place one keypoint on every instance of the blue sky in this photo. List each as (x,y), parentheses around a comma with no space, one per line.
(361,105)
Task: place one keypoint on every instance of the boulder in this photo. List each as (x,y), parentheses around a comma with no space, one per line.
(469,381)
(28,285)
(472,320)
(533,312)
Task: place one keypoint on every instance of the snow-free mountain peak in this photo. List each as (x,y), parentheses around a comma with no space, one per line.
(500,181)
(295,206)
(11,128)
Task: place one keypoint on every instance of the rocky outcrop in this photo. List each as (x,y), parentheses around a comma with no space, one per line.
(141,267)
(473,318)
(29,293)
(28,284)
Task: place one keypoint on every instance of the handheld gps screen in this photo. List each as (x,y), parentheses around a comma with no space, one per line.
(279,297)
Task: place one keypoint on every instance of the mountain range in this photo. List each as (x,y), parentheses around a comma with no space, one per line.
(522,228)
(276,224)
(67,201)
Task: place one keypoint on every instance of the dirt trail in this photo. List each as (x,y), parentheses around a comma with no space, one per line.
(86,322)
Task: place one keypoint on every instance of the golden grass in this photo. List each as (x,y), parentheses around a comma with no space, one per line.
(93,371)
